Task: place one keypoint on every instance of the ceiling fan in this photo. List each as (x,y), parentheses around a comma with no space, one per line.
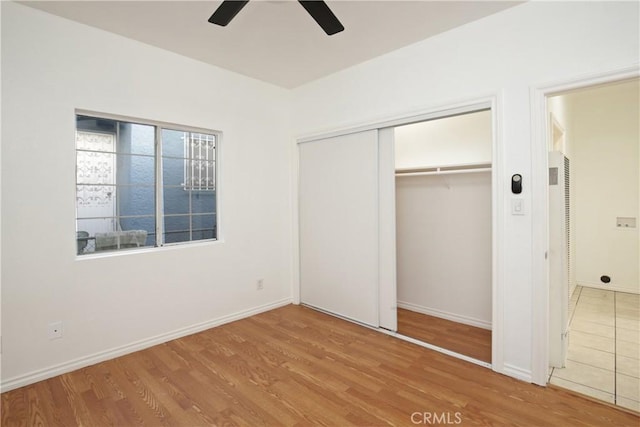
(317,9)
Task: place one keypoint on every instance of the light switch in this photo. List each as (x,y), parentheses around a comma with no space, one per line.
(517,206)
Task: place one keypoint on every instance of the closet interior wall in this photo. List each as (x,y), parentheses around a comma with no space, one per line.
(444,217)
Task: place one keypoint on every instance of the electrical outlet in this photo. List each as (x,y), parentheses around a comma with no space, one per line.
(260,284)
(55,330)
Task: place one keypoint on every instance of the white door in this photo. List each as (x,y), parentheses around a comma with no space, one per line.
(558,259)
(338,213)
(96,178)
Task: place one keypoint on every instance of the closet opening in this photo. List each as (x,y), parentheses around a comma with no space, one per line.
(443,210)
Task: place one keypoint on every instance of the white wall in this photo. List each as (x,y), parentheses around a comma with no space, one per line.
(558,110)
(50,66)
(605,136)
(456,140)
(443,222)
(505,55)
(444,246)
(0,197)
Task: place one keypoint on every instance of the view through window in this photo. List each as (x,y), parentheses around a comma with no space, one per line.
(143,185)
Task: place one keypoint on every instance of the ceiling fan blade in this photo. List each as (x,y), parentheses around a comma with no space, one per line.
(323,16)
(227,11)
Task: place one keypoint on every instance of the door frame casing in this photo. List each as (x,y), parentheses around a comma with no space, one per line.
(492,102)
(540,204)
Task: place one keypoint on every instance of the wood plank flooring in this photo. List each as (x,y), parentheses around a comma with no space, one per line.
(297,367)
(464,339)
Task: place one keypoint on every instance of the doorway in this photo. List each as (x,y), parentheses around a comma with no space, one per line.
(594,323)
(443,194)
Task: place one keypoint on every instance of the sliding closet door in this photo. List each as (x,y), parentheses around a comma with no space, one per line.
(387,230)
(338,216)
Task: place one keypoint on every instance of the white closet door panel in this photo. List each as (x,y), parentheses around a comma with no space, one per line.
(339,225)
(387,226)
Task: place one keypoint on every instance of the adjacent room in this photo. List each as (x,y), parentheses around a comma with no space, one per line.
(221,213)
(595,243)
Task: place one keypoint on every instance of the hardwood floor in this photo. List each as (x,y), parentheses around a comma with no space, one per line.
(295,366)
(464,339)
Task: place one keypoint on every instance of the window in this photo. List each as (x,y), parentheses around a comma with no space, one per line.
(143,184)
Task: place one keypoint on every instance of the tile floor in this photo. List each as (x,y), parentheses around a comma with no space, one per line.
(604,347)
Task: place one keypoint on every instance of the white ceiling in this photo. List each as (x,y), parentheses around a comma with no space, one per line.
(276,41)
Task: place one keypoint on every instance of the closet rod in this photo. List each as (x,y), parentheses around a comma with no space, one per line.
(444,172)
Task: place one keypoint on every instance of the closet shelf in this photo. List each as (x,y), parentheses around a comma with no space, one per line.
(444,170)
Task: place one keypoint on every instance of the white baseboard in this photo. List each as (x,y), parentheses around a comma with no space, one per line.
(517,373)
(608,287)
(466,320)
(72,365)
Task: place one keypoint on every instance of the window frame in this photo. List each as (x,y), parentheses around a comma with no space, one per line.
(159,213)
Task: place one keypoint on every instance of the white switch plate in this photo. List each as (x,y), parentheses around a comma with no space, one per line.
(517,206)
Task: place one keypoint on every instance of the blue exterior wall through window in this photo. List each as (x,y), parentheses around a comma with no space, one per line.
(189,214)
